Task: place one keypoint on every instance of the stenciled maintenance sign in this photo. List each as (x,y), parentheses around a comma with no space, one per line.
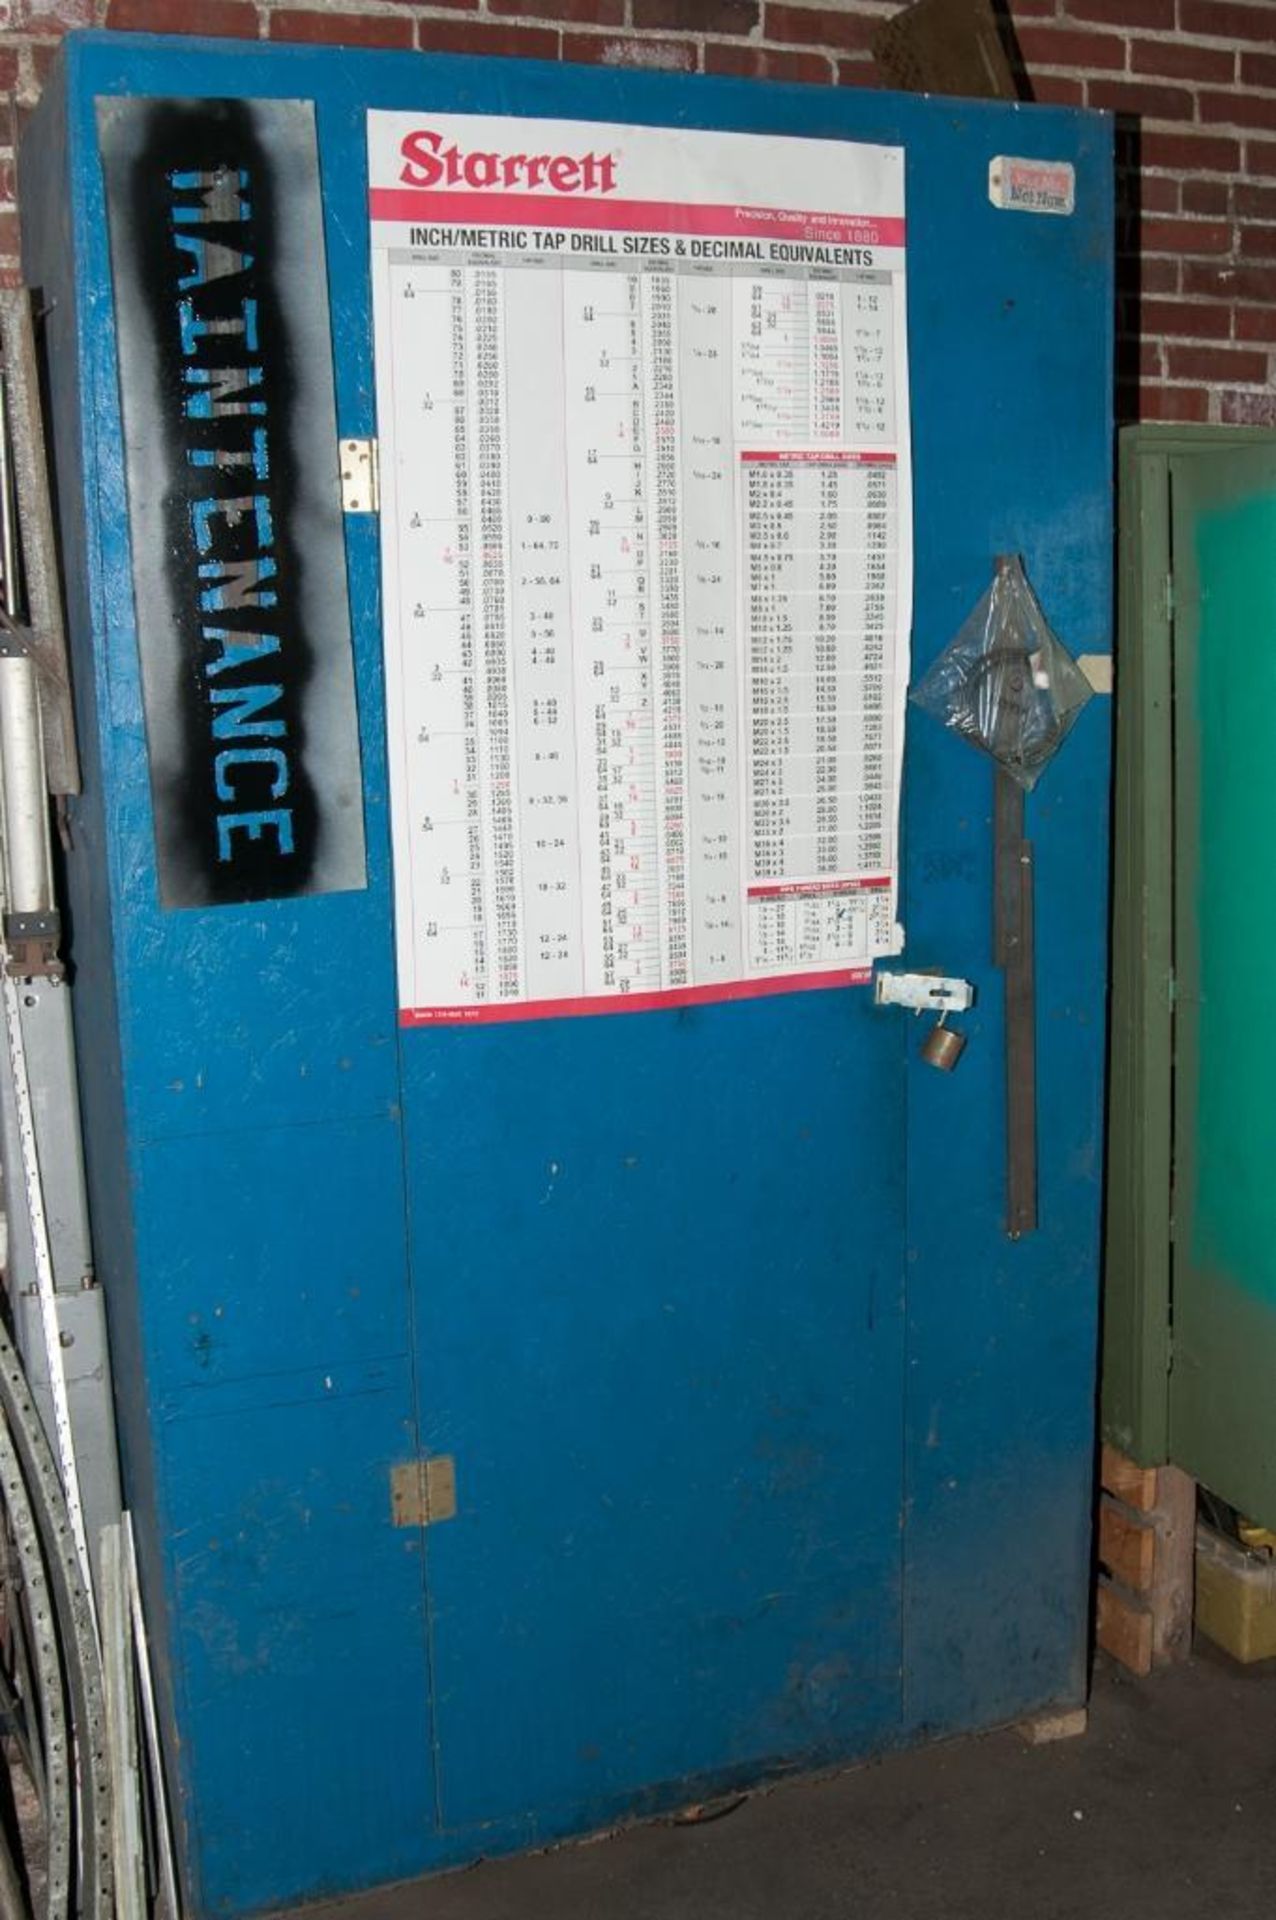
(243,624)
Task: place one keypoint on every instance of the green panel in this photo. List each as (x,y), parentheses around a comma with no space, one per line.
(1137,1252)
(1223,1386)
(1136,1315)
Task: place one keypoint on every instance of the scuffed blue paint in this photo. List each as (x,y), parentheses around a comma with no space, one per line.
(771,1450)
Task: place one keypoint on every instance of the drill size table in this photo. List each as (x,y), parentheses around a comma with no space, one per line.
(646,553)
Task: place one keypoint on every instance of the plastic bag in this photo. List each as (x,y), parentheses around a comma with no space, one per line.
(1007,683)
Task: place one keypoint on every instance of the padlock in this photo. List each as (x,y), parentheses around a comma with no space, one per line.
(943,1046)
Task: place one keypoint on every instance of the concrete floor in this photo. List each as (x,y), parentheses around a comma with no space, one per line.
(1166,1809)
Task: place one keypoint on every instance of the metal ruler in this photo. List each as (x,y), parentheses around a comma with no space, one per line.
(63,1437)
(168,1905)
(1014,953)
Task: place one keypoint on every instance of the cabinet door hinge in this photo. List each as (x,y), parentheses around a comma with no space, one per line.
(360,477)
(423,1491)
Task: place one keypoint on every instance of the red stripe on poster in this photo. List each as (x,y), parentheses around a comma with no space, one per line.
(778,889)
(820,456)
(630,1002)
(418,204)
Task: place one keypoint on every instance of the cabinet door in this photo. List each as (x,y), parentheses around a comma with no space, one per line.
(1224,531)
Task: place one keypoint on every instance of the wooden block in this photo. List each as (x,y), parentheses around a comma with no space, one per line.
(1127,1545)
(1123,1627)
(1147,1536)
(1174,1586)
(1049,1727)
(1134,1484)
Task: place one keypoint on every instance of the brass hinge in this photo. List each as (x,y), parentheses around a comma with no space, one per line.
(360,481)
(423,1491)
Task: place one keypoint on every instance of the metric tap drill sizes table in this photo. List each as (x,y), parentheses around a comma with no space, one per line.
(642,406)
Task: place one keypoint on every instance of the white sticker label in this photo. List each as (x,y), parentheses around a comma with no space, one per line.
(642,398)
(1032,186)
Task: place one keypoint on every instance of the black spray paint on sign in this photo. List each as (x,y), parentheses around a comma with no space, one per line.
(235,516)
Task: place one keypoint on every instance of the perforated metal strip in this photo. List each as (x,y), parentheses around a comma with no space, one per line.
(48,1672)
(80,1658)
(63,1436)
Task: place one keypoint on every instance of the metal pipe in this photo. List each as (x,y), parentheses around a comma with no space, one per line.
(36,545)
(24,803)
(8,509)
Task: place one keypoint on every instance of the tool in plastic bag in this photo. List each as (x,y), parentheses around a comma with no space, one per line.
(1006,682)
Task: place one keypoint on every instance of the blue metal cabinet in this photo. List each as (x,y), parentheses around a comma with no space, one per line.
(797,1469)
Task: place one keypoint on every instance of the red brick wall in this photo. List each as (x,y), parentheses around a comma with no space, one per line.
(1193,81)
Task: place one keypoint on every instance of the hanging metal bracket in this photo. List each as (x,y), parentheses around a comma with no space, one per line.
(31,942)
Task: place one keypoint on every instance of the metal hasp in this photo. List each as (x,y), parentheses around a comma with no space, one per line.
(929,993)
(1013,952)
(922,992)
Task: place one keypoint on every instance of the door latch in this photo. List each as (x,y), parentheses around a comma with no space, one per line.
(929,993)
(923,992)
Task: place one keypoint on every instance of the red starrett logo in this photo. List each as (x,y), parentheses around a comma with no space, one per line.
(428,162)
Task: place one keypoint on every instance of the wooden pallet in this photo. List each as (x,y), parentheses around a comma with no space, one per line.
(1147,1540)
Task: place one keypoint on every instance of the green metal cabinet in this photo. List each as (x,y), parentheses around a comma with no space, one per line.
(1189,1350)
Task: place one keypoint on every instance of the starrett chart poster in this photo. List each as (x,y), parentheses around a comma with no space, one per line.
(642,405)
